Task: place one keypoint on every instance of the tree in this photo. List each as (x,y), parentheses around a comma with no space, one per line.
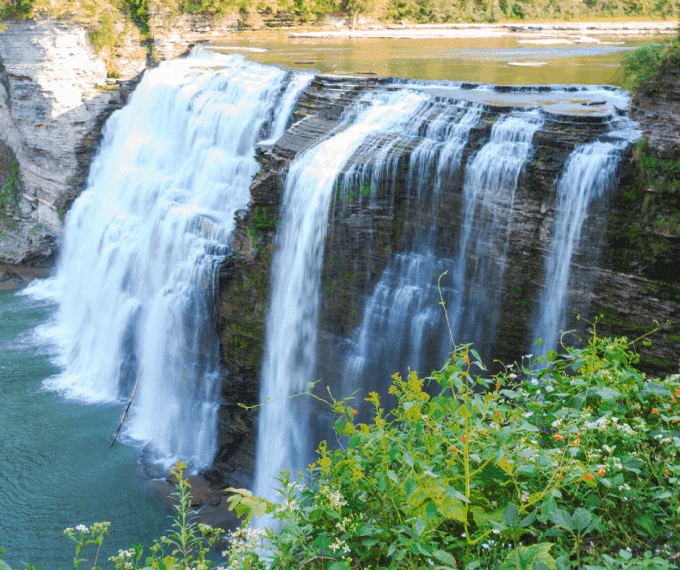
(356,7)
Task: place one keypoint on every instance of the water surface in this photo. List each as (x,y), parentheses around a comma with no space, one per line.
(506,60)
(56,468)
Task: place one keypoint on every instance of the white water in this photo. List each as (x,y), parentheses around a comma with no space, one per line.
(291,334)
(402,322)
(488,200)
(590,173)
(142,244)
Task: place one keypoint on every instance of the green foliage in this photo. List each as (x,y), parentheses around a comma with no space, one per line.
(262,220)
(489,472)
(562,463)
(105,35)
(9,196)
(139,12)
(643,64)
(17,10)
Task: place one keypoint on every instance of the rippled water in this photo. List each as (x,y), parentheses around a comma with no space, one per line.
(505,60)
(56,468)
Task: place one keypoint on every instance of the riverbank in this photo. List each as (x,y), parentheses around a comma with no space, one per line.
(513,29)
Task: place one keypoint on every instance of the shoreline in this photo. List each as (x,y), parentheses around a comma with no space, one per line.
(482,30)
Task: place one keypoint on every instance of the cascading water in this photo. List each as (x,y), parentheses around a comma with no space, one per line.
(143,242)
(488,198)
(401,323)
(291,335)
(590,173)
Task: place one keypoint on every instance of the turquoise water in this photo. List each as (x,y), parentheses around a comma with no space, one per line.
(56,468)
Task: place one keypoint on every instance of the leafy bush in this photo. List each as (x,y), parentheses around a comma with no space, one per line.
(646,68)
(585,451)
(17,10)
(643,64)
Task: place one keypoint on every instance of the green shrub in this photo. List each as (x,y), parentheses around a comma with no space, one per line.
(563,463)
(9,196)
(17,10)
(643,64)
(502,475)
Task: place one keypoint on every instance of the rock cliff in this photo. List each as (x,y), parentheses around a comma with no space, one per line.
(54,100)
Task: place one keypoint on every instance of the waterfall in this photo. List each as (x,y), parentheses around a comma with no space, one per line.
(589,175)
(403,324)
(143,242)
(489,186)
(291,329)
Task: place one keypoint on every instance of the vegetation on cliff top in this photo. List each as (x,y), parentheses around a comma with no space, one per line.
(420,11)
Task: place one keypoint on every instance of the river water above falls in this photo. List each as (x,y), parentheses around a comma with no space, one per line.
(138,269)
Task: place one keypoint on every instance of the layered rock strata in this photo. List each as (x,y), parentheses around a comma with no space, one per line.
(54,100)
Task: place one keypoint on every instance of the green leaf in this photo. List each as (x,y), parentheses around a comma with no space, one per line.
(430,443)
(339,566)
(526,521)
(511,515)
(578,401)
(410,486)
(505,465)
(454,494)
(527,557)
(408,459)
(606,393)
(581,519)
(444,557)
(420,526)
(625,554)
(392,475)
(577,364)
(561,518)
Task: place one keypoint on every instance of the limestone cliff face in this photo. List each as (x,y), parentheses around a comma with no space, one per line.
(638,278)
(54,100)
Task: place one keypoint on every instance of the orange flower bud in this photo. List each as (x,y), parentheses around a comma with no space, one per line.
(354,413)
(498,385)
(655,411)
(558,437)
(588,476)
(673,399)
(600,473)
(559,477)
(464,439)
(677,392)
